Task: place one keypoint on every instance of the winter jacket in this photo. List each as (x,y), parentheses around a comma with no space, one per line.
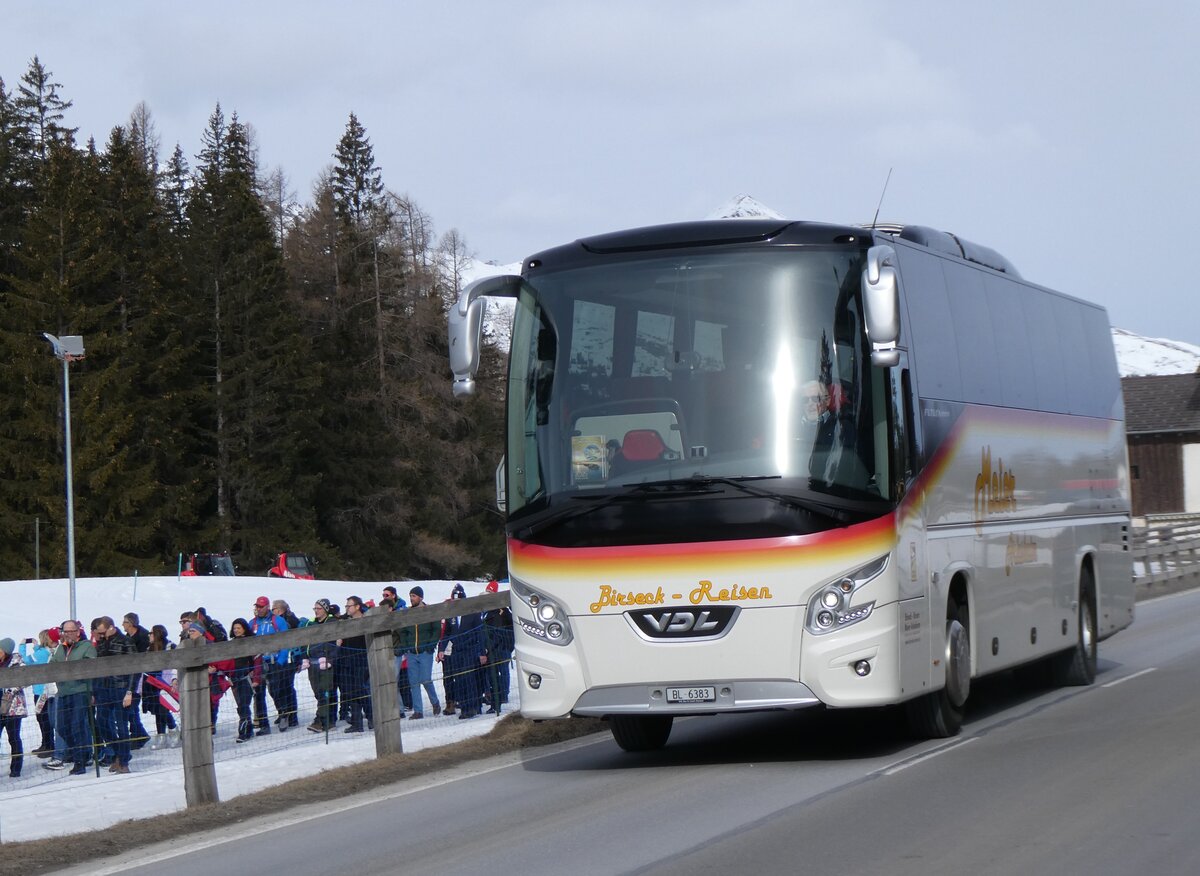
(115,646)
(214,628)
(466,634)
(328,650)
(141,640)
(12,699)
(417,639)
(81,650)
(41,654)
(220,666)
(498,633)
(265,626)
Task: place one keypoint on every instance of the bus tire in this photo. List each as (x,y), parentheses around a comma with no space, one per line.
(640,732)
(1077,667)
(940,714)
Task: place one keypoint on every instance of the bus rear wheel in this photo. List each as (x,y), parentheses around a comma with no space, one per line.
(1077,667)
(641,732)
(940,714)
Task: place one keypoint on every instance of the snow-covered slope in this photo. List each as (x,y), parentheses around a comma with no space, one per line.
(1138,356)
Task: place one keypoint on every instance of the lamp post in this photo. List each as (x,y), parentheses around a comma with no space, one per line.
(68,349)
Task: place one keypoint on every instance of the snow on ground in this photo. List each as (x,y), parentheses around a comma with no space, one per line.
(45,803)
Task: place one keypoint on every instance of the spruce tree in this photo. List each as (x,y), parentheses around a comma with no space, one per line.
(61,267)
(256,384)
(42,109)
(152,505)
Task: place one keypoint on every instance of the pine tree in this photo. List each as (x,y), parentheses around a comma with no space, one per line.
(358,197)
(16,181)
(61,266)
(42,110)
(146,411)
(173,192)
(357,494)
(357,181)
(143,133)
(262,484)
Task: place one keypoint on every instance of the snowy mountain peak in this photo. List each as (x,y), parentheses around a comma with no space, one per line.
(744,207)
(1138,356)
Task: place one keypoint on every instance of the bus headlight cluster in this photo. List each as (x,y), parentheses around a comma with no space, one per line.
(830,609)
(549,621)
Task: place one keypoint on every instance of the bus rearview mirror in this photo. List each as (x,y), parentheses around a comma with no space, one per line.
(881,302)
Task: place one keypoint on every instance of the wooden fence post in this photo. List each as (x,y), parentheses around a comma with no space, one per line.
(385,705)
(195,721)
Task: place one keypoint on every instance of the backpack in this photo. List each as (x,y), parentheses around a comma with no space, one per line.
(217,631)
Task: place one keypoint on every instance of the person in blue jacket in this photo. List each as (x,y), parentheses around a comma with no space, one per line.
(274,665)
(43,694)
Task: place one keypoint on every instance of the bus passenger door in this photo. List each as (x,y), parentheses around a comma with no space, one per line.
(913,619)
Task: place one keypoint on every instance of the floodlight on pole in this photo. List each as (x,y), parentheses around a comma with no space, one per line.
(68,349)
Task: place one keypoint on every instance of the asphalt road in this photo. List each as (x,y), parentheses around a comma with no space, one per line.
(1097,780)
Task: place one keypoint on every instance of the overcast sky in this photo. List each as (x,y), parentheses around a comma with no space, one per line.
(1063,135)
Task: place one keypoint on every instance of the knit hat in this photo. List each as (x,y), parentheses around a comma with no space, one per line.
(262,602)
(417,591)
(195,628)
(492,587)
(7,646)
(458,592)
(53,633)
(324,604)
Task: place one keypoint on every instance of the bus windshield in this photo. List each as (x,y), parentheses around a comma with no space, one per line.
(695,378)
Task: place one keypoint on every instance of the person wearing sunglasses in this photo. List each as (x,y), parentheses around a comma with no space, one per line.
(74,698)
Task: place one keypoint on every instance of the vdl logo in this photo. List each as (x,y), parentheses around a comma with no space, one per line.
(684,623)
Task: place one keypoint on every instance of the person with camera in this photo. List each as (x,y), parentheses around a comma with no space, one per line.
(43,694)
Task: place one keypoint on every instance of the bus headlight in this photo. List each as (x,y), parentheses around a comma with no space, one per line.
(830,609)
(546,619)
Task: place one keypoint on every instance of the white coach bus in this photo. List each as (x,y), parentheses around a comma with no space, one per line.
(761,464)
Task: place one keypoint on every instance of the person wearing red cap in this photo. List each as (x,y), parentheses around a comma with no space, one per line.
(265,623)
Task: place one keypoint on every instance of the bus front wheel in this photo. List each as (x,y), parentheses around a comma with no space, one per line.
(940,714)
(641,732)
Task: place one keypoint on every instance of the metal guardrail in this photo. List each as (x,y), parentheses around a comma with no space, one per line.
(1166,549)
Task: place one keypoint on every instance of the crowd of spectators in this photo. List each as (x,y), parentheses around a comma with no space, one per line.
(102,719)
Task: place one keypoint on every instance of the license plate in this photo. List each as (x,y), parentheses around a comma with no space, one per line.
(691,694)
